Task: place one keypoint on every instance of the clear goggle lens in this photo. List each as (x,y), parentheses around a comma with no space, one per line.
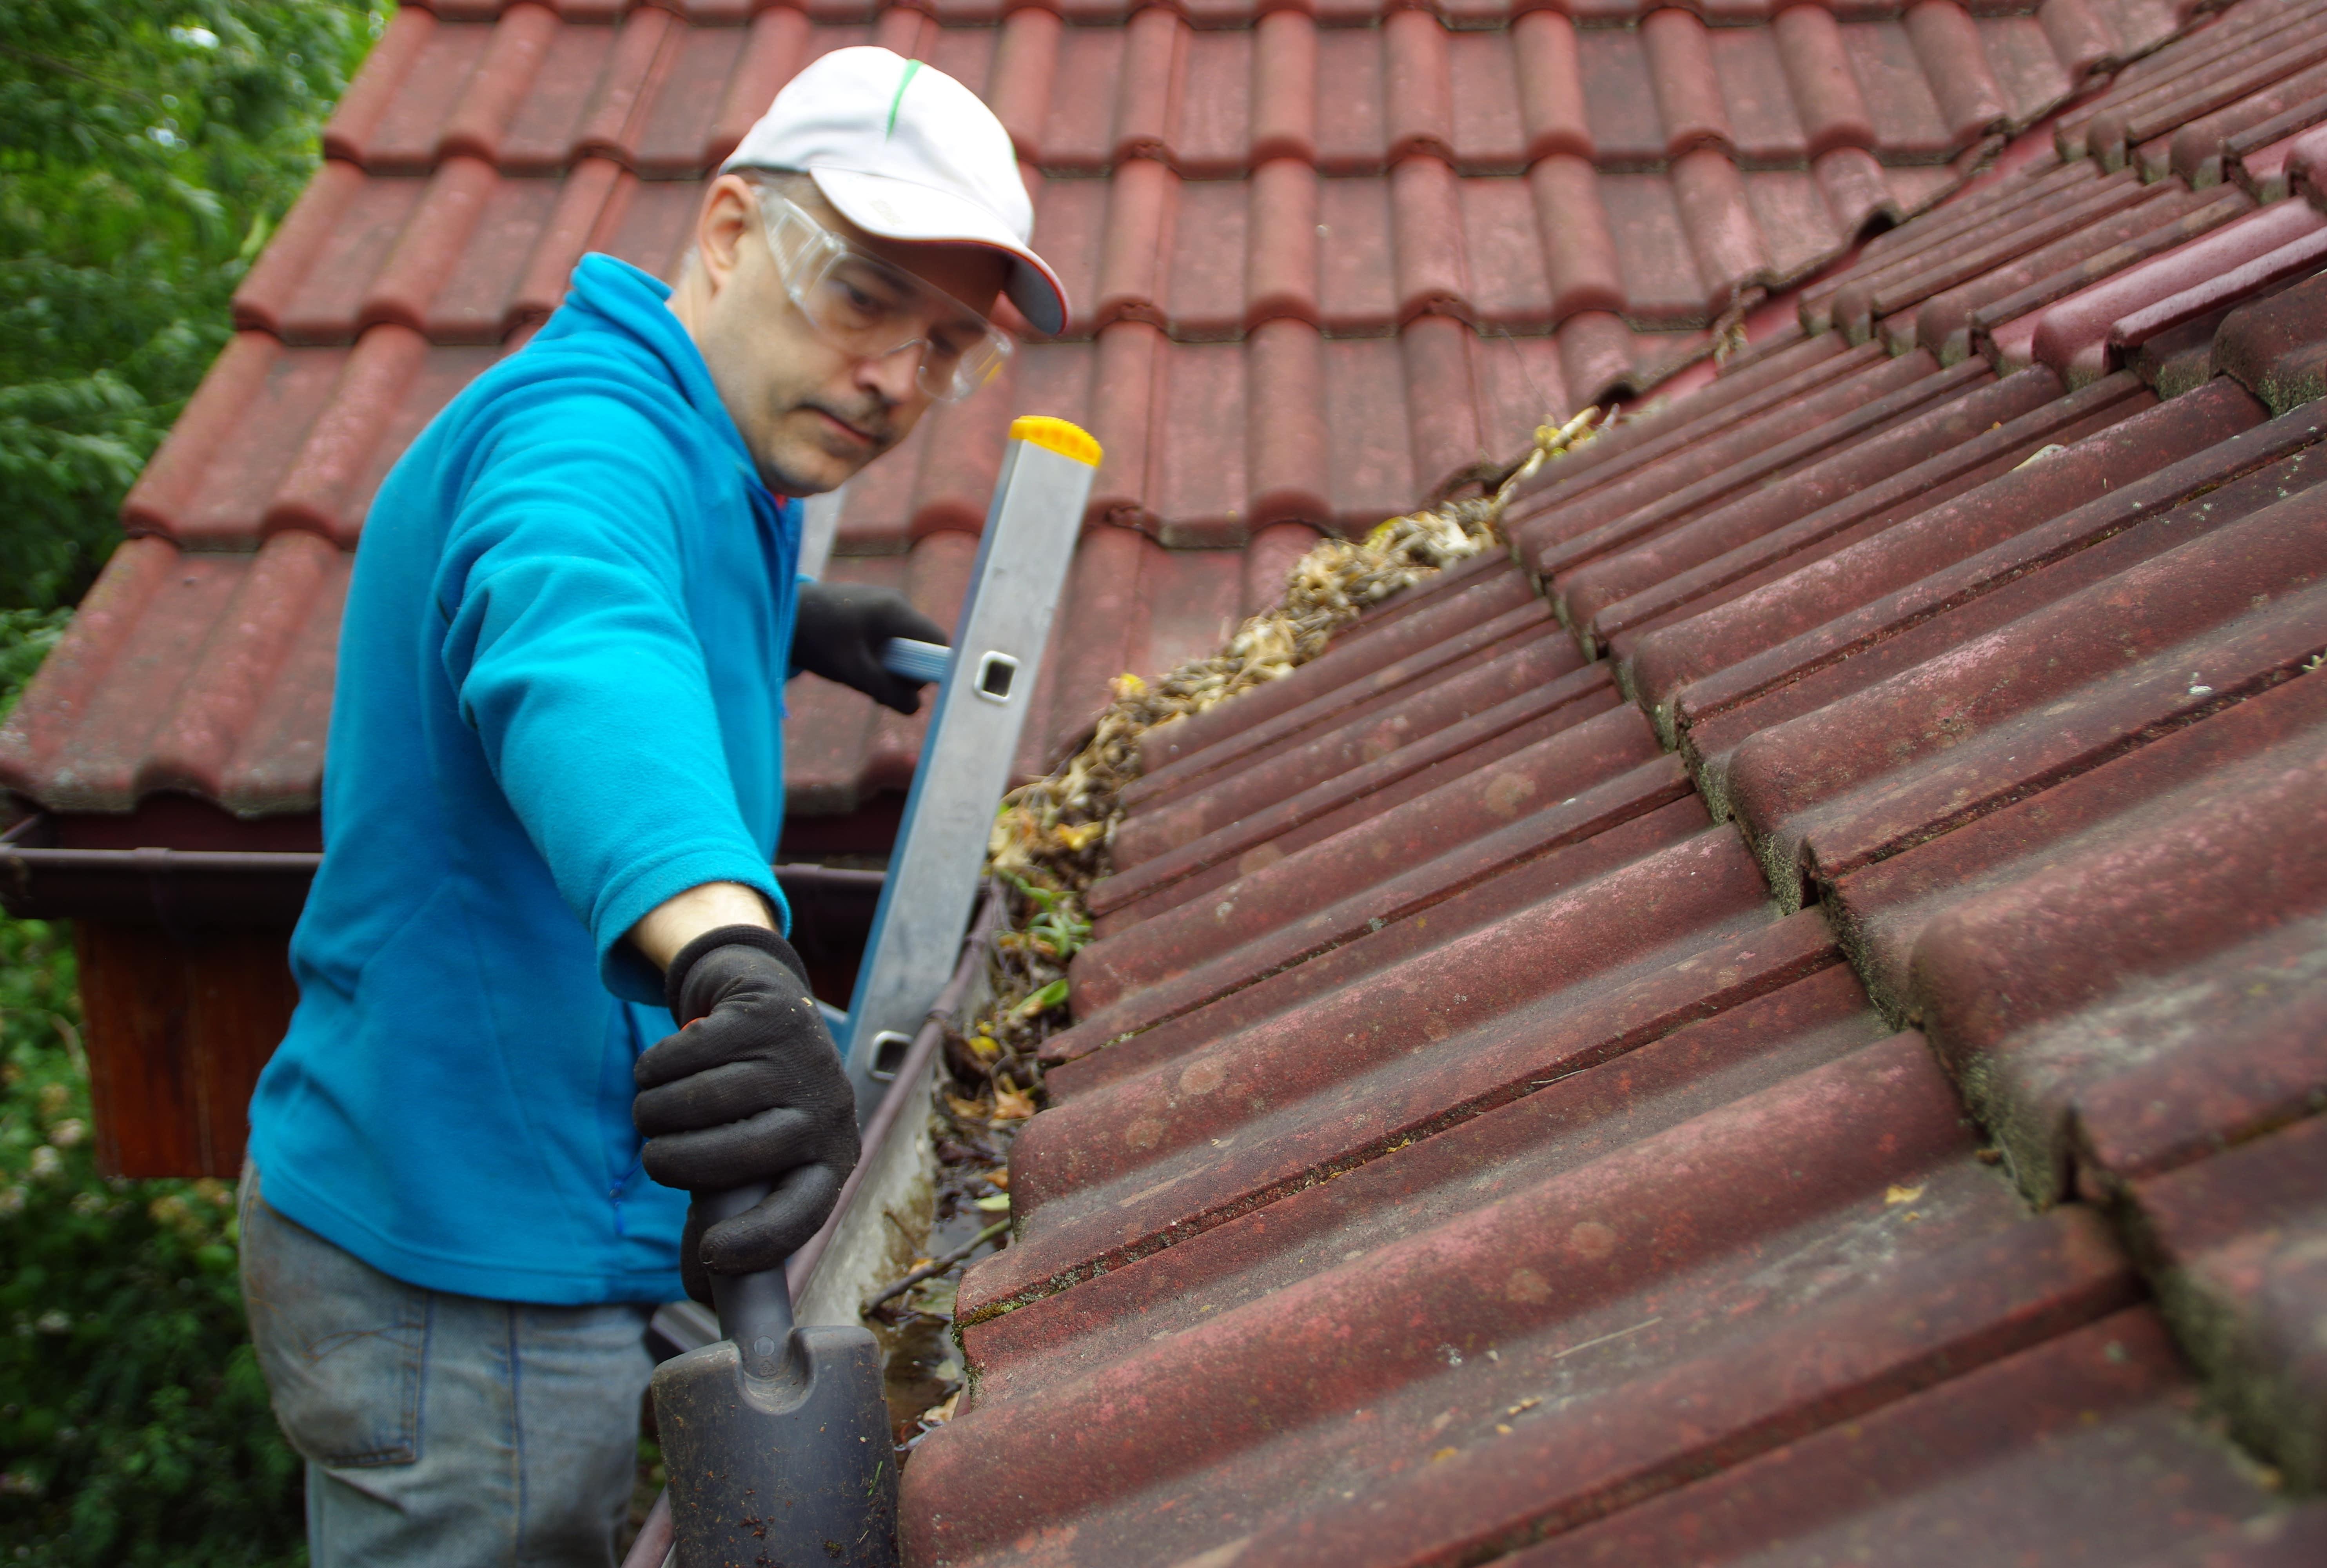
(870,310)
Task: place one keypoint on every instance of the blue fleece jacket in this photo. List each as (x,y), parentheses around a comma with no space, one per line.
(559,703)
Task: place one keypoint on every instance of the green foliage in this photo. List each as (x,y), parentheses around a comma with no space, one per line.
(1058,931)
(25,637)
(147,149)
(134,1425)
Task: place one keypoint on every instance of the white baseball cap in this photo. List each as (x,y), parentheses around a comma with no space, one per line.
(904,151)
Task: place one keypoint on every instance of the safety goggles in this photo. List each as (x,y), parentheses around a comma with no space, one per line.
(870,310)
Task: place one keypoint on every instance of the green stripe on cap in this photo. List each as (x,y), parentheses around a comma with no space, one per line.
(896,103)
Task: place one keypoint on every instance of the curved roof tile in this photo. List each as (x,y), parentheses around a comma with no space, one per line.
(1525,1099)
(1324,259)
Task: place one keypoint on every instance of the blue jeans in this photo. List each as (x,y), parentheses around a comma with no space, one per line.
(442,1429)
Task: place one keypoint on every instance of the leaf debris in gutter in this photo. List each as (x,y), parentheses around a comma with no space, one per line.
(1050,842)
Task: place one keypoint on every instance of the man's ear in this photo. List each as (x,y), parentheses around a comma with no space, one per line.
(722,225)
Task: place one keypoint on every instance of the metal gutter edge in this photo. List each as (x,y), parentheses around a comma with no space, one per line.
(173,888)
(183,888)
(210,888)
(843,1262)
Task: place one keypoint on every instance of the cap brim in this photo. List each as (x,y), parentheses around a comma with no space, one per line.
(917,214)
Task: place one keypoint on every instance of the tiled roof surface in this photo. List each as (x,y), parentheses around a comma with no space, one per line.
(1326,259)
(1517,1103)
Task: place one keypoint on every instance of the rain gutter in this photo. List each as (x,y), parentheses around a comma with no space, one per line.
(858,1250)
(208,889)
(854,1253)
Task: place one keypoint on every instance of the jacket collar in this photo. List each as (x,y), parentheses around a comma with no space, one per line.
(636,304)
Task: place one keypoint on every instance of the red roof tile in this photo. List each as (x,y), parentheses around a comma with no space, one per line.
(1323,263)
(1528,1121)
(1516,1104)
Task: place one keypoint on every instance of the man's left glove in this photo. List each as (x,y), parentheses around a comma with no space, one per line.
(839,632)
(749,1090)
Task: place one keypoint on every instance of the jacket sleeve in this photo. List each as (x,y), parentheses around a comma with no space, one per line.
(567,642)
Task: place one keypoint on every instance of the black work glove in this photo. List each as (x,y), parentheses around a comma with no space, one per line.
(749,1090)
(839,633)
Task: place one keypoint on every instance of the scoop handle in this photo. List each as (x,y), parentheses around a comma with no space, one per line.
(755,1311)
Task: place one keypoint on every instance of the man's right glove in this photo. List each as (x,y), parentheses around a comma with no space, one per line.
(840,631)
(749,1090)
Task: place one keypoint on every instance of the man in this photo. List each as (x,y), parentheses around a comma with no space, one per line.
(554,788)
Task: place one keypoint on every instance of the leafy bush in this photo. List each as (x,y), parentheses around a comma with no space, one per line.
(147,149)
(135,1428)
(25,637)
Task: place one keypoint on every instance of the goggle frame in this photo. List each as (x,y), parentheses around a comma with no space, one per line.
(807,254)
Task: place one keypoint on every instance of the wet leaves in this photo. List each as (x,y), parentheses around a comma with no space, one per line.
(1055,995)
(1051,837)
(1050,842)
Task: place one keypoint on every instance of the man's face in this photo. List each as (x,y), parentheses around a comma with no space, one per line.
(810,413)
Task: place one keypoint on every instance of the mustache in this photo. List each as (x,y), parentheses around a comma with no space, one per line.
(875,417)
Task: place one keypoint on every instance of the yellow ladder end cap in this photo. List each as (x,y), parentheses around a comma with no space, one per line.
(1061,436)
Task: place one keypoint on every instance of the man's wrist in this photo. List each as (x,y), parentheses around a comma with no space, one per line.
(679,920)
(678,979)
